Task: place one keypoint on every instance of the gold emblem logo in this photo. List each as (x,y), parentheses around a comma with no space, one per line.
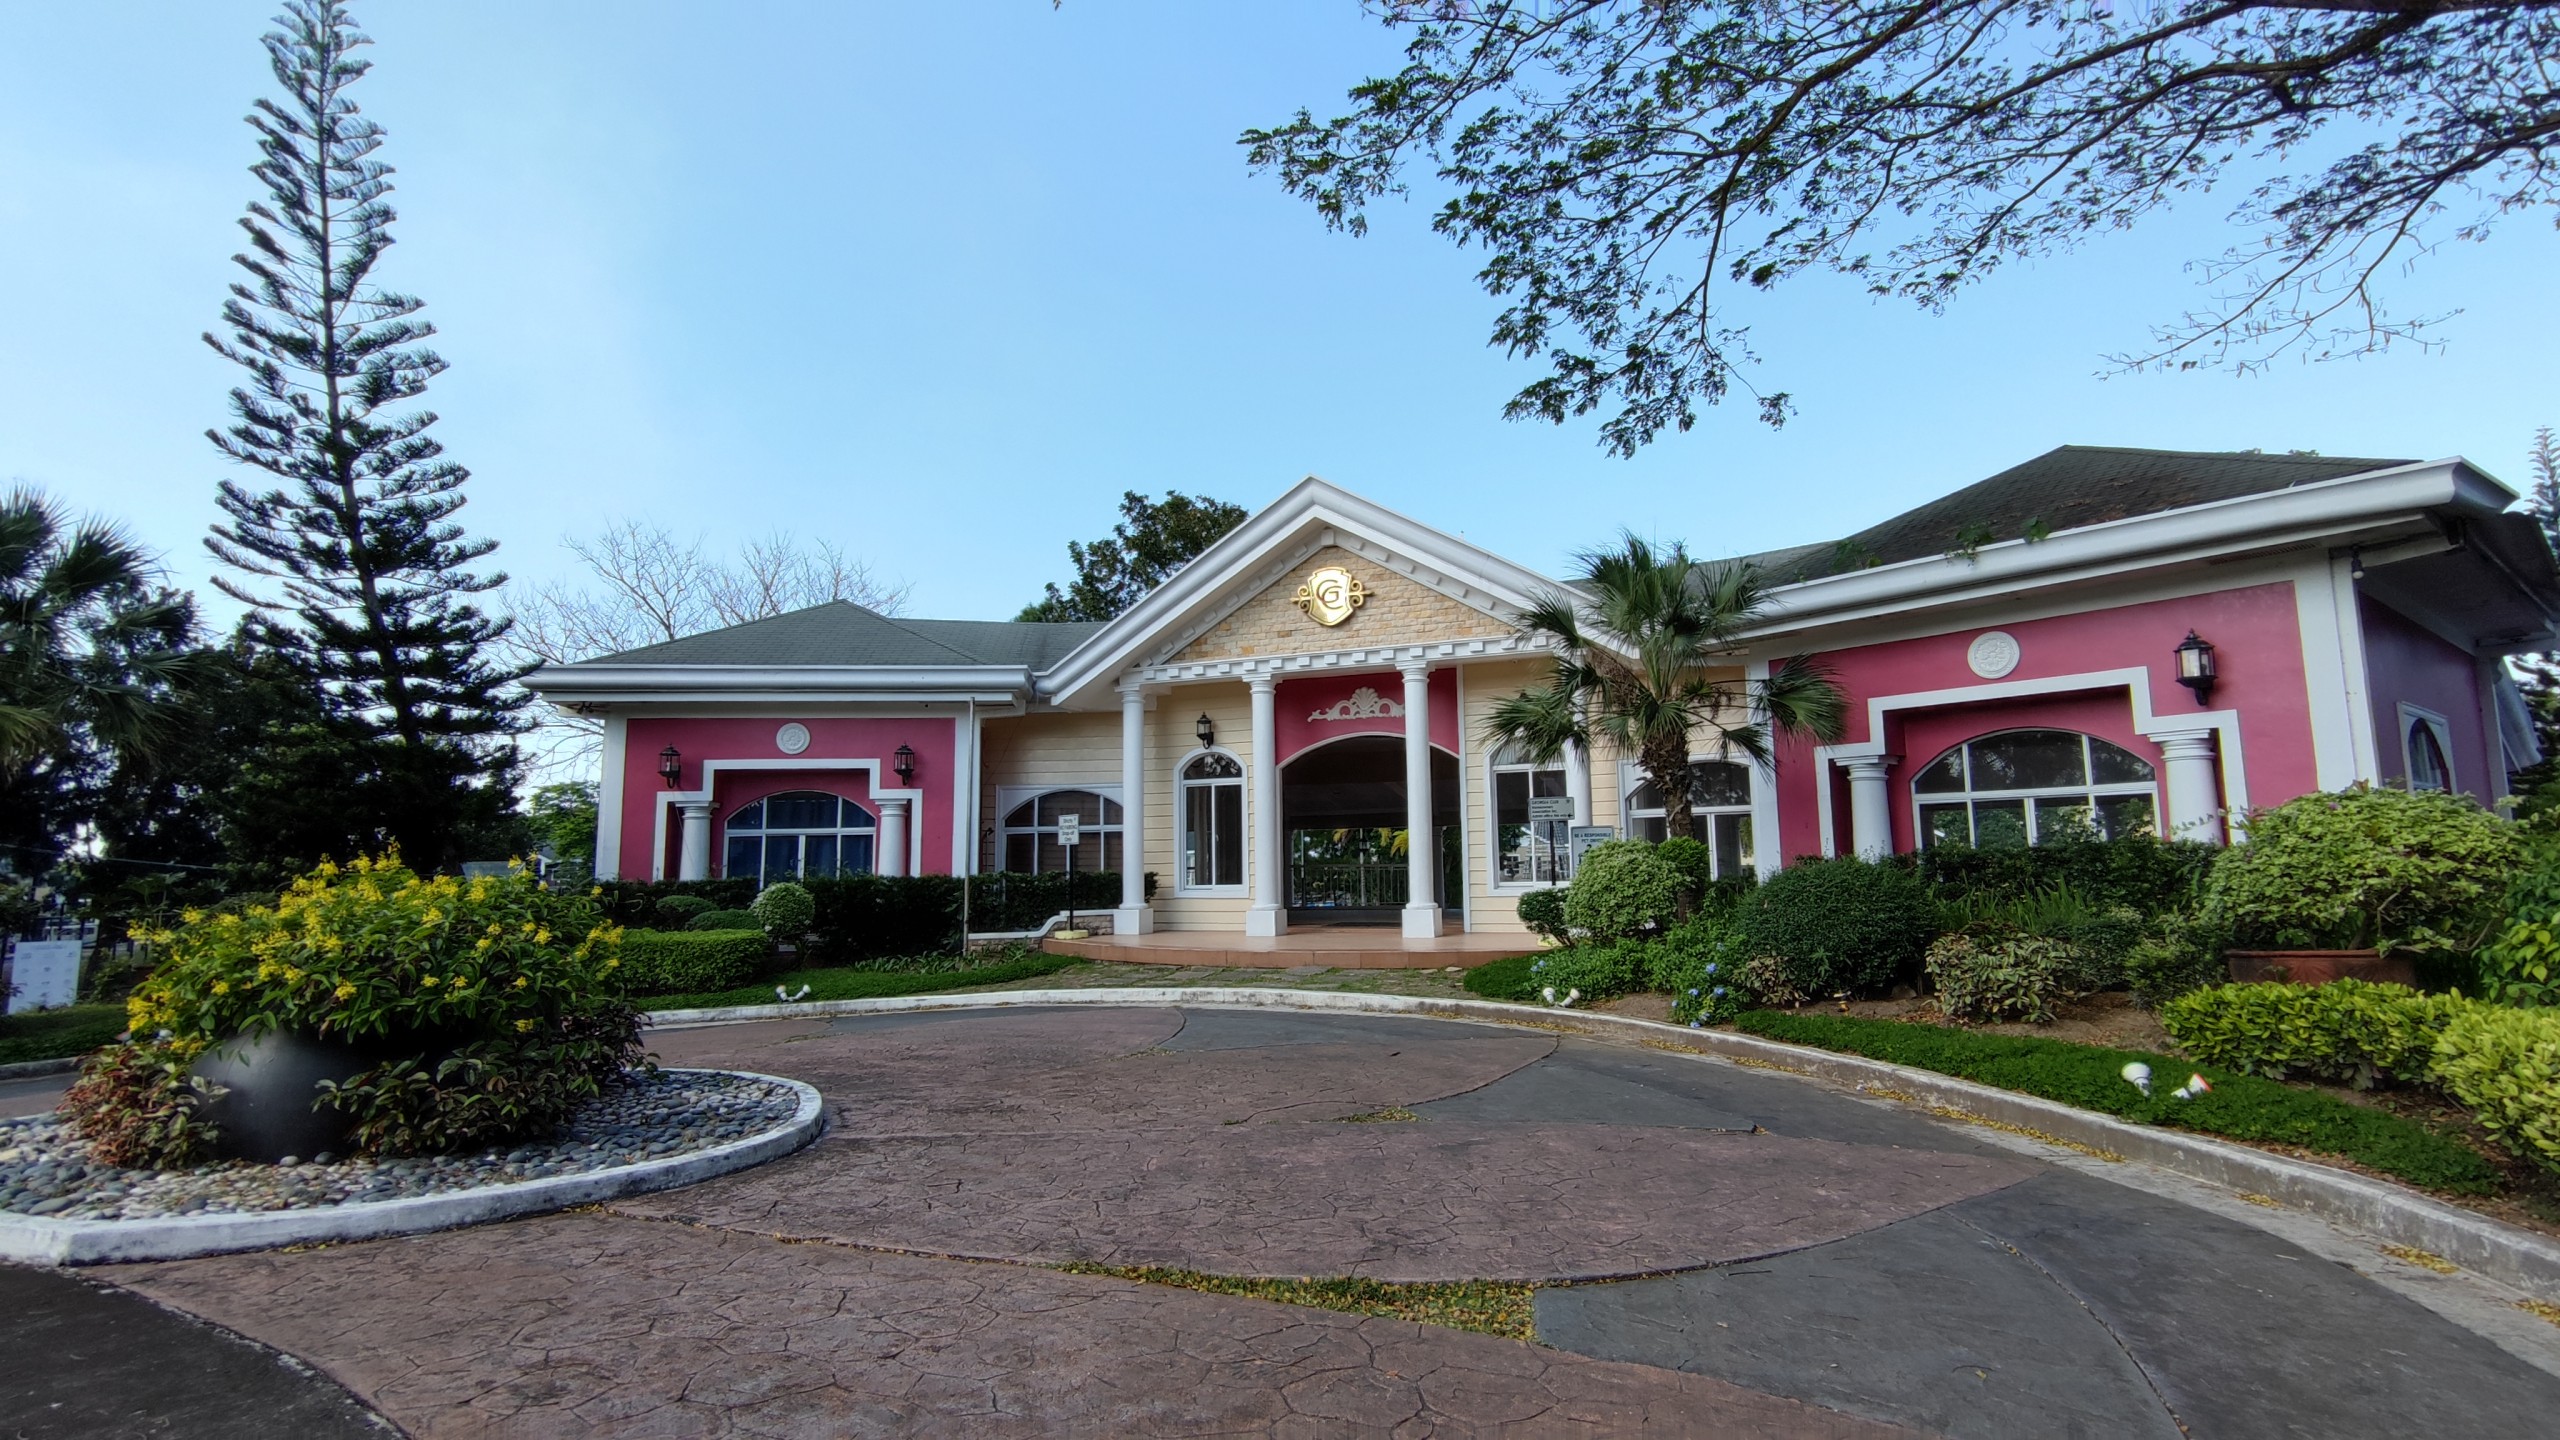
(1330,595)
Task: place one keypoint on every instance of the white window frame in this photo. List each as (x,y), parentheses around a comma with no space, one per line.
(728,828)
(1010,798)
(1495,767)
(2090,792)
(1181,793)
(1631,778)
(2411,717)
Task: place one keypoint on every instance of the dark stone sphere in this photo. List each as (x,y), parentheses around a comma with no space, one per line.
(272,1079)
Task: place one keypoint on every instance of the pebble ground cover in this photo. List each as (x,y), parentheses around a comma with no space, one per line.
(45,1170)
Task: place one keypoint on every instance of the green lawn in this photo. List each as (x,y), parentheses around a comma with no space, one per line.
(52,1034)
(2239,1107)
(848,983)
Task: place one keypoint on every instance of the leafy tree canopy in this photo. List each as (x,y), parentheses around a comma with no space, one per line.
(1627,166)
(1153,539)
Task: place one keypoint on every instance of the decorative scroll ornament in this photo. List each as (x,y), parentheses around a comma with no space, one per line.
(1331,594)
(1361,704)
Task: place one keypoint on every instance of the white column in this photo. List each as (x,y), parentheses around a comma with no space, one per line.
(892,858)
(1268,914)
(693,857)
(1135,916)
(1422,853)
(2195,791)
(1871,807)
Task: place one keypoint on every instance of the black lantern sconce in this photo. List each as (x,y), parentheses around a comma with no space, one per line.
(1207,732)
(2195,666)
(906,766)
(671,766)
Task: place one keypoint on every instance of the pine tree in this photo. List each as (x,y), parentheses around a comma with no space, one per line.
(368,579)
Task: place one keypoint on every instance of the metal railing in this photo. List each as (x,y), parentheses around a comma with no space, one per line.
(1348,884)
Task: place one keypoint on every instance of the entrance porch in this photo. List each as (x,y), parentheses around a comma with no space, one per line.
(1350,947)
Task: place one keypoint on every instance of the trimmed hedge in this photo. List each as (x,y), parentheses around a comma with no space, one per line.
(2504,1067)
(839,983)
(2149,875)
(2239,1107)
(56,1034)
(723,920)
(1624,888)
(2347,1030)
(862,917)
(661,961)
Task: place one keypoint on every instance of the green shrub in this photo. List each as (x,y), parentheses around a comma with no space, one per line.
(786,912)
(2347,1030)
(54,1034)
(1623,889)
(1701,964)
(1693,862)
(1503,979)
(1838,926)
(670,962)
(1991,974)
(493,1002)
(675,910)
(721,920)
(2504,1066)
(840,982)
(2241,1107)
(2521,964)
(2181,953)
(1543,912)
(2366,867)
(1600,970)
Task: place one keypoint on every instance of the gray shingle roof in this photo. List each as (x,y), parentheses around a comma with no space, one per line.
(2066,488)
(843,633)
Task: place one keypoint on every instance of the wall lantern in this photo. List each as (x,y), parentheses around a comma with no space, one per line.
(906,766)
(1207,732)
(2195,666)
(671,766)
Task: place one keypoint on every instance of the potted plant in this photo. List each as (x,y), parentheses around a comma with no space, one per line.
(368,1009)
(2358,882)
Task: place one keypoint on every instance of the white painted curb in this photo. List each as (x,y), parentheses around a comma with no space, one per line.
(42,1240)
(2388,1212)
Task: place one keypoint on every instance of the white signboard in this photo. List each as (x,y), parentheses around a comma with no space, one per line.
(46,972)
(1586,836)
(1551,807)
(1070,830)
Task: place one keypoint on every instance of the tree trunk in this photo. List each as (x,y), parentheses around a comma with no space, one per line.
(1666,765)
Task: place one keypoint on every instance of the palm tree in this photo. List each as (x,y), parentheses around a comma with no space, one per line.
(1638,648)
(88,647)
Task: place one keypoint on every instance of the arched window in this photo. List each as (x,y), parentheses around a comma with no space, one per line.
(800,834)
(1210,803)
(2033,787)
(2428,767)
(1031,832)
(1719,813)
(1527,851)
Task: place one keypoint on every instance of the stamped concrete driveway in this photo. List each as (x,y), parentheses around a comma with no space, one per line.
(1717,1250)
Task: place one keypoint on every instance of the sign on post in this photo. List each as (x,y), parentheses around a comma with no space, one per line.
(1070,829)
(47,974)
(1551,807)
(1586,836)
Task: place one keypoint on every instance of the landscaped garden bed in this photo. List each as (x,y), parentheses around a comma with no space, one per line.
(47,1170)
(874,981)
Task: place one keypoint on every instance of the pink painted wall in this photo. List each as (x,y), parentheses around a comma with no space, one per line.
(702,739)
(2258,643)
(1299,699)
(2403,662)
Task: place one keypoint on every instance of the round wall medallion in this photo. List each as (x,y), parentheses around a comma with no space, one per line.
(1331,594)
(791,739)
(1992,654)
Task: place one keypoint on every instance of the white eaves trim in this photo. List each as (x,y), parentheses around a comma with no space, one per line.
(2302,513)
(1311,505)
(910,684)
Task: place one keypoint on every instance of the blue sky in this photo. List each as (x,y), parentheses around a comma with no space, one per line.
(938,282)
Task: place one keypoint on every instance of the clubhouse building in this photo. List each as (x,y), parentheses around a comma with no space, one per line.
(2124,640)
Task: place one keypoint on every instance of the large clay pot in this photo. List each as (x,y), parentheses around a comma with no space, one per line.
(2319,967)
(272,1079)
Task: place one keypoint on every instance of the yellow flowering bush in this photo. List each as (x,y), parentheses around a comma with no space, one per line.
(491,1002)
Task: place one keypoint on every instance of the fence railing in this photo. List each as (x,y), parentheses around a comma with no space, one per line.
(1349,884)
